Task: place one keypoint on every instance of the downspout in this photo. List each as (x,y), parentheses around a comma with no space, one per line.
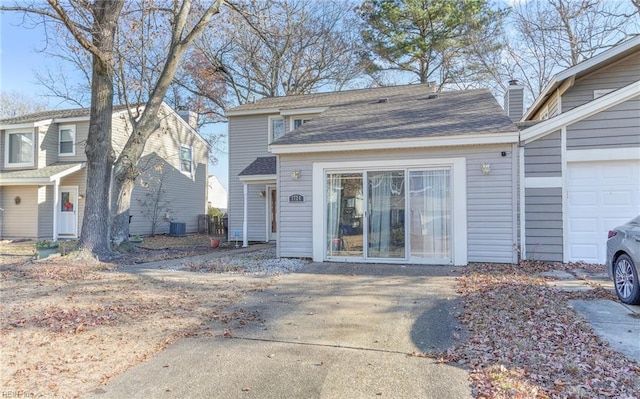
(245,238)
(523,243)
(515,192)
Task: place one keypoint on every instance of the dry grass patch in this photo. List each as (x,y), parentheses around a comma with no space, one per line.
(67,327)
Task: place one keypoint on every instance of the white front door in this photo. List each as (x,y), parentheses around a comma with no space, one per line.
(68,212)
(601,196)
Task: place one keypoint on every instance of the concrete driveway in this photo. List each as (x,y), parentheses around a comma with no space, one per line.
(331,331)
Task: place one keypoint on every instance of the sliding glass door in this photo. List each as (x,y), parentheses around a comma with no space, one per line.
(385,207)
(367,218)
(345,207)
(430,215)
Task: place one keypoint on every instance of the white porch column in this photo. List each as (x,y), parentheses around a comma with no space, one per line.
(245,238)
(56,198)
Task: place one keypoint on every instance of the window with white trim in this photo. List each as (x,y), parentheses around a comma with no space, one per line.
(19,149)
(297,122)
(186,158)
(276,128)
(67,140)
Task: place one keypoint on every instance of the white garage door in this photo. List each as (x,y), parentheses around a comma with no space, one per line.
(601,195)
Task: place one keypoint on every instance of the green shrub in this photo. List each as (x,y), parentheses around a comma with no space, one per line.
(213,211)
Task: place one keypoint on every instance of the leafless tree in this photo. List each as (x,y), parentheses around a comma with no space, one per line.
(93,25)
(276,47)
(14,103)
(548,36)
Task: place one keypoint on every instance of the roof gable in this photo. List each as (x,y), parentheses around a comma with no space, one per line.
(588,66)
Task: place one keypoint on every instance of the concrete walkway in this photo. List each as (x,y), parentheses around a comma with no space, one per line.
(331,331)
(613,321)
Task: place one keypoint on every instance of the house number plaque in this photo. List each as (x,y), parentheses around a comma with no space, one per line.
(296,198)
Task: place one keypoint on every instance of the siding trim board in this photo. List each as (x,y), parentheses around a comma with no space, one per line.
(541,182)
(602,154)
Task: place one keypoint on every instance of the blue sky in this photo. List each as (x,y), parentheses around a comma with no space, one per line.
(20,58)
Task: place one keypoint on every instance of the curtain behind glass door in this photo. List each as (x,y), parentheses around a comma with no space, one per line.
(386,205)
(345,209)
(430,214)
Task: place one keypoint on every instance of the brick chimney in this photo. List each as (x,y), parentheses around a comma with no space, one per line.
(190,117)
(514,100)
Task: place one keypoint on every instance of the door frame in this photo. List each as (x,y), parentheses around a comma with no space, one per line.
(272,207)
(58,205)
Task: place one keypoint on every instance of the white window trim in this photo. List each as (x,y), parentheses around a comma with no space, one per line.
(186,172)
(459,186)
(72,128)
(6,150)
(270,129)
(292,119)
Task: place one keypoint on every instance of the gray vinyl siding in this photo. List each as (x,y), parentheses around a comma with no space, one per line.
(248,136)
(616,127)
(19,220)
(514,102)
(614,77)
(490,199)
(184,194)
(542,157)
(295,219)
(543,224)
(47,145)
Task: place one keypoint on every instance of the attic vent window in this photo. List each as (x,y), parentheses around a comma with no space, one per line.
(383,100)
(432,96)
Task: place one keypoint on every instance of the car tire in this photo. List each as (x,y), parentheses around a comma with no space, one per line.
(625,280)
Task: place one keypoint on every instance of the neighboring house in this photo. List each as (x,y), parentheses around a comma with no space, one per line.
(392,174)
(580,165)
(216,194)
(43,173)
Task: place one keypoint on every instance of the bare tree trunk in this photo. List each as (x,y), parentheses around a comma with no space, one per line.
(94,237)
(125,172)
(125,169)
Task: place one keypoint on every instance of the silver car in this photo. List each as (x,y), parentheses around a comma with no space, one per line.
(623,256)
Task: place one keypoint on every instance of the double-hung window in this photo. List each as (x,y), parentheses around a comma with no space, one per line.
(19,149)
(67,140)
(186,158)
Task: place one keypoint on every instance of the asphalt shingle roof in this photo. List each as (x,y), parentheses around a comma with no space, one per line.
(40,173)
(59,113)
(261,166)
(397,112)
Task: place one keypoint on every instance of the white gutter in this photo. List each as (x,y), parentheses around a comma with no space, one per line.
(387,144)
